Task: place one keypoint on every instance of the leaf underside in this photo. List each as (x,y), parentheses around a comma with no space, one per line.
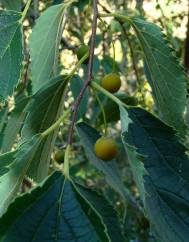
(44,109)
(44,44)
(13,124)
(167,76)
(166,179)
(12,4)
(11,53)
(13,167)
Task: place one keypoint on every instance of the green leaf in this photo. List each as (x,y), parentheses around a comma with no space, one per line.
(168,79)
(134,158)
(107,63)
(76,85)
(111,109)
(88,137)
(135,161)
(106,211)
(166,179)
(13,167)
(3,120)
(14,124)
(3,116)
(59,211)
(44,44)
(45,108)
(81,4)
(12,4)
(11,51)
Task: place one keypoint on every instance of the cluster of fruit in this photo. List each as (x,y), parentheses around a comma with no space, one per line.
(105,147)
(111,82)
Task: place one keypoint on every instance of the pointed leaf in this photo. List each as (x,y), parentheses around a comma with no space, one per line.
(14,124)
(57,211)
(44,109)
(13,167)
(11,53)
(12,4)
(3,120)
(166,179)
(44,44)
(134,158)
(168,79)
(111,109)
(106,211)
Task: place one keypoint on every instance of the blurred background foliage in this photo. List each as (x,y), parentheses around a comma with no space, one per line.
(171,16)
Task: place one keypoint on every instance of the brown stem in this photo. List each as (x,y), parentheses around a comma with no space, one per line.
(89,72)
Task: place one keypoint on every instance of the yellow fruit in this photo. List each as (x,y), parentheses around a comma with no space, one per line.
(59,156)
(83,50)
(111,82)
(106,148)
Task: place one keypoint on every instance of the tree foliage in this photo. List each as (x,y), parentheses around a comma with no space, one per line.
(53,99)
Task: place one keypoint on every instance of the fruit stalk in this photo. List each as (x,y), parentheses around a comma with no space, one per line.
(102,111)
(56,124)
(25,11)
(108,94)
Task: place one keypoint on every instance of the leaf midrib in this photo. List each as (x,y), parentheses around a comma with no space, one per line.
(45,39)
(162,78)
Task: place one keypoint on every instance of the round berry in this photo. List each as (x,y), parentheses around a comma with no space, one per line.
(106,148)
(59,156)
(83,50)
(111,82)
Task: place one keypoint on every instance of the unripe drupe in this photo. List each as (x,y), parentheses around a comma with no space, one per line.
(59,156)
(106,148)
(83,50)
(111,82)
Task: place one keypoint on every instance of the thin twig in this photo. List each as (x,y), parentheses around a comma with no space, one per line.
(132,54)
(102,111)
(24,13)
(89,72)
(134,63)
(133,59)
(112,42)
(129,43)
